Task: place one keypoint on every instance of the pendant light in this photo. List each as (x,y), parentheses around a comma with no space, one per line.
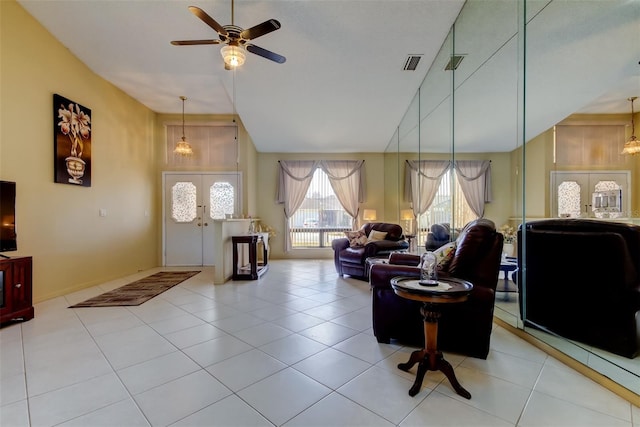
(632,146)
(183,148)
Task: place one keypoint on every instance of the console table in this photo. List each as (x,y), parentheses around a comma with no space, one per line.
(254,268)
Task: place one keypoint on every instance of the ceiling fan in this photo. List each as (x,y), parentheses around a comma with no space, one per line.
(235,39)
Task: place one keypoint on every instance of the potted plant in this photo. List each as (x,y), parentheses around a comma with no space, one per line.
(509,234)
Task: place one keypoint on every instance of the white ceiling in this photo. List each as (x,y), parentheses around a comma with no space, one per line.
(342,88)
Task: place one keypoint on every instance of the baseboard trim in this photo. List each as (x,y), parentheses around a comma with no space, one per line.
(588,372)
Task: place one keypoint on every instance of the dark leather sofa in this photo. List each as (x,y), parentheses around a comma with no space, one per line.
(351,261)
(464,328)
(581,280)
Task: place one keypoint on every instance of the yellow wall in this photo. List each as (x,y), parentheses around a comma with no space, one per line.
(58,224)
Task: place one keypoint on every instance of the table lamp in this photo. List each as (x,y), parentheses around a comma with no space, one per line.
(369,215)
(407,216)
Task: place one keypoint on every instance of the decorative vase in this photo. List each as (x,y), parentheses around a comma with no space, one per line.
(75,168)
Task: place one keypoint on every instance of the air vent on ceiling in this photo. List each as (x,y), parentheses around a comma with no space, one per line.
(412,62)
(454,62)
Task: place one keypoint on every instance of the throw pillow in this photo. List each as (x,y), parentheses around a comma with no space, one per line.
(356,238)
(444,254)
(375,235)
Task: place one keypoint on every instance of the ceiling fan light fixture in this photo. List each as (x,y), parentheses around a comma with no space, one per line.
(632,146)
(233,55)
(183,148)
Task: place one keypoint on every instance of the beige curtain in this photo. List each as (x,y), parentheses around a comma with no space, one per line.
(422,180)
(346,179)
(294,180)
(474,177)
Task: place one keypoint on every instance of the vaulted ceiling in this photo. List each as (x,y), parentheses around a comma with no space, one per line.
(341,89)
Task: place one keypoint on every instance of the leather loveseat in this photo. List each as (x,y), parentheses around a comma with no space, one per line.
(464,328)
(351,260)
(581,280)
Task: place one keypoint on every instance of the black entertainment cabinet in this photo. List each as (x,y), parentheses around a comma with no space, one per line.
(15,284)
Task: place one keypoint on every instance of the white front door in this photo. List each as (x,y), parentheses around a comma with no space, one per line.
(579,186)
(191,202)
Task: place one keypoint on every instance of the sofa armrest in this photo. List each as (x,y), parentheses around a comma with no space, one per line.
(340,244)
(381,274)
(400,258)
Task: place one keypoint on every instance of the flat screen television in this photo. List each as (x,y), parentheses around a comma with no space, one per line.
(8,236)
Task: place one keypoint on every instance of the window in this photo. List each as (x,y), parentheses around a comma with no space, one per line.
(183,202)
(320,218)
(449,206)
(221,199)
(214,145)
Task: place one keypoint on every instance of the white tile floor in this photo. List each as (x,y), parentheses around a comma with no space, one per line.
(294,348)
(622,370)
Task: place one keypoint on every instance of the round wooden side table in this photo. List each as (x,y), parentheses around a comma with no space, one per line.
(448,291)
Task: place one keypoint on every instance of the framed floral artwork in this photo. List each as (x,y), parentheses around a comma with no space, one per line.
(71,142)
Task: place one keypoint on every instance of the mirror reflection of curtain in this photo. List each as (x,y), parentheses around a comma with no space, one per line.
(422,180)
(295,177)
(474,177)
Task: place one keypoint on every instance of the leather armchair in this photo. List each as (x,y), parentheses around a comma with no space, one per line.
(439,234)
(351,261)
(464,328)
(582,281)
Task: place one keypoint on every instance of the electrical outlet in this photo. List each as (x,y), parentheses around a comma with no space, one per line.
(103,212)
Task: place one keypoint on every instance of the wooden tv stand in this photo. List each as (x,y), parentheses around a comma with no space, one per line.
(15,284)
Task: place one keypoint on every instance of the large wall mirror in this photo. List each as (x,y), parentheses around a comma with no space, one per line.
(524,67)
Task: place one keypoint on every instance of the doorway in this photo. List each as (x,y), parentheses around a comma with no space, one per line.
(191,202)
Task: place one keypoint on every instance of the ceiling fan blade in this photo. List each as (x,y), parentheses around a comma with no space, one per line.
(265,53)
(208,20)
(260,30)
(193,42)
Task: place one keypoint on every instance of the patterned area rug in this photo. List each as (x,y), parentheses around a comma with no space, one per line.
(135,293)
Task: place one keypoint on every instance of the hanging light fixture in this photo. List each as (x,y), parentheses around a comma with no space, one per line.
(233,56)
(632,146)
(183,148)
(233,53)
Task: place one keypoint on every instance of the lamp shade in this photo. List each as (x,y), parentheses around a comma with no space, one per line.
(406,214)
(233,55)
(369,215)
(632,146)
(183,148)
